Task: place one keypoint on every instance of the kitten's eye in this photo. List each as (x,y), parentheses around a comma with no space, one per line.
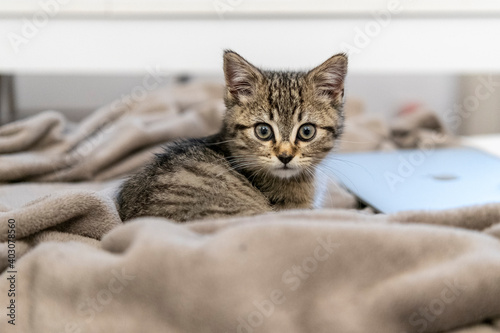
(263,131)
(307,132)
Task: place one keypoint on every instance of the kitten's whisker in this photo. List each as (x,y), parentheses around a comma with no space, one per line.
(322,163)
(311,170)
(220,142)
(243,164)
(342,140)
(255,173)
(331,180)
(344,161)
(334,171)
(328,176)
(236,166)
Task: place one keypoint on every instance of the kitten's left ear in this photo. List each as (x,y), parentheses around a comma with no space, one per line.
(241,76)
(328,78)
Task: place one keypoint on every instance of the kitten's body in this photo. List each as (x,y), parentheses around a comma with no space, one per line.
(191,180)
(236,172)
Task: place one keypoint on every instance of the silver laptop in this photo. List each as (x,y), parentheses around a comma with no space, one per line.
(419,179)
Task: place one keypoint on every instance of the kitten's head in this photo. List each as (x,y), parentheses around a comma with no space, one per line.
(282,123)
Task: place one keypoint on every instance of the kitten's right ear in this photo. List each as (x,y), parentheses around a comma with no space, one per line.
(328,78)
(241,76)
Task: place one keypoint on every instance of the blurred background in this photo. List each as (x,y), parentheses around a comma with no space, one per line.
(77,55)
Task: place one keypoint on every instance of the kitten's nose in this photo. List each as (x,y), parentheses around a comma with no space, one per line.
(285,158)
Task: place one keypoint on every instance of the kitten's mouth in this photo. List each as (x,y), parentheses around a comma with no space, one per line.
(285,167)
(285,171)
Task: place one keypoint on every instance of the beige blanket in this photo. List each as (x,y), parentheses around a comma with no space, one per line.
(327,270)
(113,140)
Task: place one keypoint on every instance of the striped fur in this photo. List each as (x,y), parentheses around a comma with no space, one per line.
(234,172)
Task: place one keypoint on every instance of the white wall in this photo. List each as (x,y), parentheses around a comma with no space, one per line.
(386,94)
(401,45)
(73,94)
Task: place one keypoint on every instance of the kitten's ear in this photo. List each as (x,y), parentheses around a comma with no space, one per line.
(328,78)
(241,76)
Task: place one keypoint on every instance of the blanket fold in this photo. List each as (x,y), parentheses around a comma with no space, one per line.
(270,273)
(47,147)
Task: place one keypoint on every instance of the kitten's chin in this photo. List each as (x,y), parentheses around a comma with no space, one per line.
(285,173)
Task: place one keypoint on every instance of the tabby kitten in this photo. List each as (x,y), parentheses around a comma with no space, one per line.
(278,126)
